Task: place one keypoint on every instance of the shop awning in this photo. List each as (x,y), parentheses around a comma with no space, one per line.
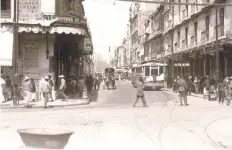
(38,28)
(6,42)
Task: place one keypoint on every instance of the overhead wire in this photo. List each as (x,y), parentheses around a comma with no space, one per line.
(176,3)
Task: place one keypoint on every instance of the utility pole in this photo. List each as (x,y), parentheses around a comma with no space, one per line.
(15,36)
(217,50)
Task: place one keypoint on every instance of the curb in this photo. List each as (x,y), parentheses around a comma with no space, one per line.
(49,106)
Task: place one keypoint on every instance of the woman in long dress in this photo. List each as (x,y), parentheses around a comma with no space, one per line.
(2,88)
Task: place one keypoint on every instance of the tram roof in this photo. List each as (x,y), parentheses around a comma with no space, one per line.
(152,64)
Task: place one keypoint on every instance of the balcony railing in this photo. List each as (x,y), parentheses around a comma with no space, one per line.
(5,13)
(203,37)
(66,19)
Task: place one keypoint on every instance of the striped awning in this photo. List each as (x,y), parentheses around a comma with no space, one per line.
(6,42)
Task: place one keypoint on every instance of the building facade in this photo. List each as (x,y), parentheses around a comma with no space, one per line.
(138,15)
(190,39)
(153,43)
(53,38)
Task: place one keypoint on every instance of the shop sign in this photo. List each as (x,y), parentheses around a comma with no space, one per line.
(87,45)
(77,20)
(182,64)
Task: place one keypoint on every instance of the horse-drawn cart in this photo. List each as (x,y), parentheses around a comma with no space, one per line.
(109,79)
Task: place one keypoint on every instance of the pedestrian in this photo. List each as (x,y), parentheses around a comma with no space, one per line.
(46,90)
(182,89)
(33,90)
(206,87)
(229,91)
(73,84)
(196,84)
(51,83)
(62,88)
(221,91)
(2,88)
(140,92)
(27,88)
(81,83)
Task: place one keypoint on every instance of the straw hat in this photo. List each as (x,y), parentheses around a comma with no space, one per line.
(61,76)
(26,78)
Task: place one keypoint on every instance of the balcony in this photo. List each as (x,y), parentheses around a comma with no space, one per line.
(77,20)
(203,37)
(5,13)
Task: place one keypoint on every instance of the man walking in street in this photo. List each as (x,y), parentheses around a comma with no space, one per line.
(183,89)
(140,92)
(62,88)
(27,88)
(46,90)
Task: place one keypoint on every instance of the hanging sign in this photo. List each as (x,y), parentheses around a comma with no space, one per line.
(87,45)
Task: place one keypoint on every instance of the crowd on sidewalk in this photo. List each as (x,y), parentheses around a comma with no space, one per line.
(207,87)
(46,88)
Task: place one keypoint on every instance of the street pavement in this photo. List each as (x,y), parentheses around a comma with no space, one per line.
(110,122)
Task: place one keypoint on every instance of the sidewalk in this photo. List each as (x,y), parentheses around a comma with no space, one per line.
(192,94)
(40,103)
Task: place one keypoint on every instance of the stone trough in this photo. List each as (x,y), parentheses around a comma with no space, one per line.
(45,138)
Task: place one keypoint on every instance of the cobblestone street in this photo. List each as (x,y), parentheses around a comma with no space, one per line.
(112,122)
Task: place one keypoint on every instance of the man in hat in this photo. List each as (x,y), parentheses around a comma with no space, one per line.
(183,89)
(45,89)
(27,87)
(62,87)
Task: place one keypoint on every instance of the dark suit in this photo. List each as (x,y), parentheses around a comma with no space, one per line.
(182,88)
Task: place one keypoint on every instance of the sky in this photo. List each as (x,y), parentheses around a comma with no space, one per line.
(108,24)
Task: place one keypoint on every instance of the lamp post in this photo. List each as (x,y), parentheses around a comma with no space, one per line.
(15,36)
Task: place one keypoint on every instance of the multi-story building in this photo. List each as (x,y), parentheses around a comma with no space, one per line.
(153,44)
(138,15)
(190,38)
(53,38)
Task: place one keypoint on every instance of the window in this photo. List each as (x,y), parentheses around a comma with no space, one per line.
(222,21)
(207,27)
(195,31)
(147,71)
(5,4)
(154,72)
(186,36)
(161,71)
(178,37)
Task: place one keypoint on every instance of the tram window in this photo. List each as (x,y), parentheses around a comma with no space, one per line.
(138,70)
(133,70)
(161,70)
(147,71)
(154,72)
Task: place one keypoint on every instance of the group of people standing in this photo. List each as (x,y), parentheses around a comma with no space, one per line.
(206,86)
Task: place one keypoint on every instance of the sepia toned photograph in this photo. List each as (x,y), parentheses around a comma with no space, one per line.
(115,74)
